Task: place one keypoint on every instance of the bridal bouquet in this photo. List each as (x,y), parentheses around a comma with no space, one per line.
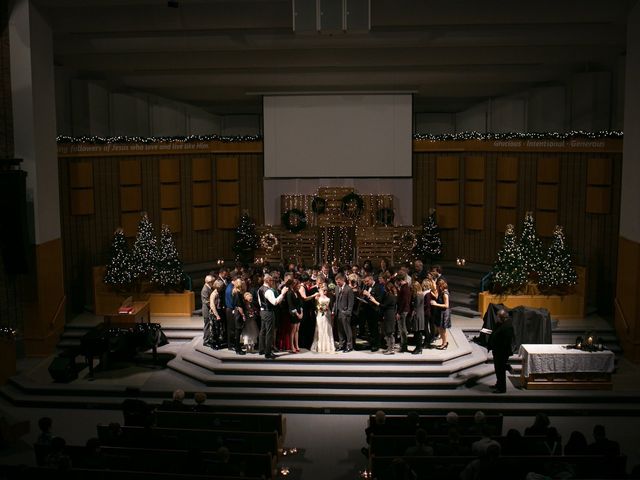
(322,307)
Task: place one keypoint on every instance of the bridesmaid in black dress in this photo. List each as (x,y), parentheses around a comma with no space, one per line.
(294,304)
(308,291)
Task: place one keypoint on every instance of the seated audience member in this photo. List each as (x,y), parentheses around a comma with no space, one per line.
(413,422)
(454,446)
(222,465)
(602,445)
(176,403)
(57,458)
(137,413)
(539,427)
(200,399)
(480,447)
(43,442)
(93,456)
(485,467)
(421,448)
(451,420)
(379,420)
(399,469)
(577,444)
(513,444)
(479,424)
(115,435)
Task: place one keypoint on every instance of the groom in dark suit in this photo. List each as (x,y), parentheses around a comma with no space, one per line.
(342,308)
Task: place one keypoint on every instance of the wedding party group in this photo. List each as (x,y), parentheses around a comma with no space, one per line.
(325,309)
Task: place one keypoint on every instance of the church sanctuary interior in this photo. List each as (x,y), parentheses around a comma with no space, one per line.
(319,239)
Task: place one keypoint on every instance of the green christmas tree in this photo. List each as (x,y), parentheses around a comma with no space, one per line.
(168,272)
(531,246)
(145,250)
(509,273)
(429,243)
(119,271)
(558,273)
(247,240)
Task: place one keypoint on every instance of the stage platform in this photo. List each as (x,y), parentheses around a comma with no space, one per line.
(356,382)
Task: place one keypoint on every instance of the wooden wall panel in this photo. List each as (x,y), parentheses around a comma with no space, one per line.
(227,168)
(447,192)
(228,193)
(87,238)
(517,182)
(474,193)
(81,174)
(201,194)
(598,199)
(507,169)
(169,196)
(507,195)
(171,218)
(81,201)
(131,199)
(130,172)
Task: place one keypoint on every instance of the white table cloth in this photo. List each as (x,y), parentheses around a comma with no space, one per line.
(559,359)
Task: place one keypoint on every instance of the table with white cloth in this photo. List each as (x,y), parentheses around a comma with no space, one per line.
(552,366)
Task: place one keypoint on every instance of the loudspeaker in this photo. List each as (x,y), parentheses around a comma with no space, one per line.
(14,235)
(63,369)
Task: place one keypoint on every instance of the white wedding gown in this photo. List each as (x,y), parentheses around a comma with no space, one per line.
(323,338)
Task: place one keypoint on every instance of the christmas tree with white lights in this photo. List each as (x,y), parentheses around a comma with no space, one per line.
(247,240)
(531,246)
(429,244)
(145,250)
(168,273)
(509,272)
(118,273)
(558,273)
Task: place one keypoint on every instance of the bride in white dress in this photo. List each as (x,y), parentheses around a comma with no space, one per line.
(323,338)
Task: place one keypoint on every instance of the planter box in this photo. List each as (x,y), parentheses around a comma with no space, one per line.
(106,301)
(560,307)
(172,304)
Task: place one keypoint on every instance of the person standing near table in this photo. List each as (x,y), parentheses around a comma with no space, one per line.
(500,342)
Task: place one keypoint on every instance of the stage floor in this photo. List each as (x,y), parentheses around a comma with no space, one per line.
(359,381)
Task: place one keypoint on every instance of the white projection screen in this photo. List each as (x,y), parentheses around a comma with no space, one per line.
(337,135)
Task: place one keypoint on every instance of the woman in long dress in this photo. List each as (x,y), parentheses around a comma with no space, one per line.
(418,315)
(443,312)
(323,338)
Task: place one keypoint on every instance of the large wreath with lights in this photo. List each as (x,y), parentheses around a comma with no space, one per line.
(385,216)
(318,205)
(269,242)
(294,220)
(352,205)
(408,240)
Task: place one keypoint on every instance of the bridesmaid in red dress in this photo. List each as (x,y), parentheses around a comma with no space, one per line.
(283,342)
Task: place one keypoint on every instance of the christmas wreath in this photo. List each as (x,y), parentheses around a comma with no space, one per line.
(352,205)
(295,220)
(268,242)
(318,205)
(385,216)
(408,240)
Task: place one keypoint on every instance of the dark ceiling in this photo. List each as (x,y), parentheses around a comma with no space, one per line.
(219,55)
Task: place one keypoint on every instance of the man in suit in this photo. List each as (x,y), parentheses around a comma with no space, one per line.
(371,312)
(342,308)
(500,342)
(205,295)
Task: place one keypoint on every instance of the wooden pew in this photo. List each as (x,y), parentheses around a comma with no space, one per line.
(20,472)
(190,439)
(170,461)
(246,422)
(514,468)
(388,445)
(433,424)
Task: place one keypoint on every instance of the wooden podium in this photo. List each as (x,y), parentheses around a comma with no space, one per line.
(140,313)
